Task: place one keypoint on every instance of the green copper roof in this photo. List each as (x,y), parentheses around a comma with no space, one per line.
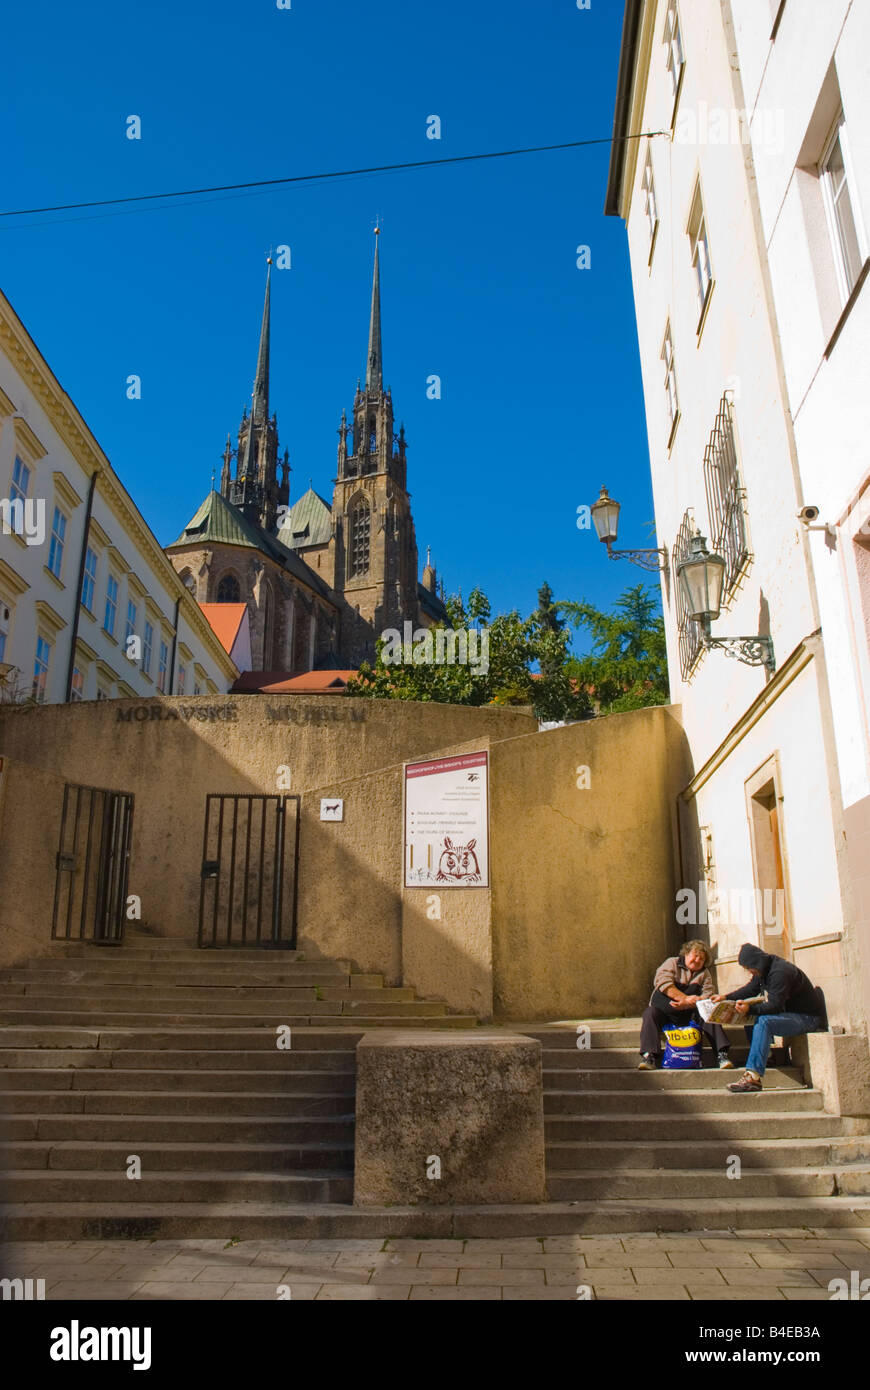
(308,522)
(218,522)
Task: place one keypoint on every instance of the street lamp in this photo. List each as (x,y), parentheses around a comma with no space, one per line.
(702,577)
(605,518)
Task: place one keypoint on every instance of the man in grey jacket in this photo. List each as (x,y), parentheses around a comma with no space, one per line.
(679,983)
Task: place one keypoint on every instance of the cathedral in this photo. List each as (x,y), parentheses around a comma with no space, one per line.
(320,581)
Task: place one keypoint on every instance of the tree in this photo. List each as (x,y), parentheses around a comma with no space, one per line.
(627,667)
(499,669)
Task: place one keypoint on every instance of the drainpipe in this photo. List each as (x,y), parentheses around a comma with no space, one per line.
(174,646)
(75,625)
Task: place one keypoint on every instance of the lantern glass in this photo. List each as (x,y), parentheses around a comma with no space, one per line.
(702,576)
(605,517)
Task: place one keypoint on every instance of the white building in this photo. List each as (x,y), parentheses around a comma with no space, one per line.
(746,227)
(69,530)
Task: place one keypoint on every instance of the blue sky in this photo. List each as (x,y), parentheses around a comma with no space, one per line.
(541,394)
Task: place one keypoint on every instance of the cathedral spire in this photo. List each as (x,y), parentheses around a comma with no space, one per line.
(260,403)
(375,363)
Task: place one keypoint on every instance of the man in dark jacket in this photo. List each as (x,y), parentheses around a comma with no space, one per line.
(793,1006)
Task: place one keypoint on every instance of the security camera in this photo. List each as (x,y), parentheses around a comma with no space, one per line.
(808,515)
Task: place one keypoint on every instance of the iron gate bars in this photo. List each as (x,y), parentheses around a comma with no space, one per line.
(244,898)
(92,865)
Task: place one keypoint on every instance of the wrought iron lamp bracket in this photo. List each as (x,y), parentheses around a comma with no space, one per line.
(646,559)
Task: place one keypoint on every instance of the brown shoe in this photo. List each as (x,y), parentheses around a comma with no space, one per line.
(748,1082)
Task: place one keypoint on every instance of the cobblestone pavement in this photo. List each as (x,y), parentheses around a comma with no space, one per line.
(787,1265)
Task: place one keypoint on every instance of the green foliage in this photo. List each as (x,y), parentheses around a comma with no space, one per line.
(515,647)
(627,667)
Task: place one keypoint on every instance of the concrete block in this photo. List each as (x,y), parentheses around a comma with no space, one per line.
(463,1105)
(838,1065)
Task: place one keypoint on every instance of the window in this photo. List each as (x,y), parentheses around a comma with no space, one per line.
(725,496)
(650,206)
(196,690)
(111,605)
(162,666)
(228,589)
(55,549)
(147,648)
(360,537)
(674,42)
(837,178)
(78,685)
(182,677)
(90,580)
(697,231)
(188,581)
(673,405)
(18,496)
(102,693)
(131,621)
(20,481)
(5,620)
(40,669)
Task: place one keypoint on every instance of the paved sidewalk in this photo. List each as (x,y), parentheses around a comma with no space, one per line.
(744,1265)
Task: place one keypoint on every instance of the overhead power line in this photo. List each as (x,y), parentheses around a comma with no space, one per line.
(335,174)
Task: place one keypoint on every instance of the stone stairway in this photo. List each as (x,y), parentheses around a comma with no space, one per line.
(171,1054)
(638,1151)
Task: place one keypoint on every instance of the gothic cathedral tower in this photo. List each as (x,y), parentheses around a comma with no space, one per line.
(375,549)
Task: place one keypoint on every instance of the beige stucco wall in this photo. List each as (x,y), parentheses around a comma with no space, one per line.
(30,814)
(583,880)
(349,901)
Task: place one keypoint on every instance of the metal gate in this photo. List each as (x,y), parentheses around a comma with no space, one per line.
(92,865)
(245,898)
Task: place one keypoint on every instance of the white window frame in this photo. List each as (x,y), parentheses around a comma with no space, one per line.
(6,613)
(650,202)
(132,620)
(57,543)
(147,647)
(41,668)
(90,578)
(672,397)
(699,242)
(845,282)
(162,666)
(673,39)
(77,691)
(111,602)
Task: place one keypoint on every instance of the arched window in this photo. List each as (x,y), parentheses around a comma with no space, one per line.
(228,589)
(268,630)
(188,581)
(360,538)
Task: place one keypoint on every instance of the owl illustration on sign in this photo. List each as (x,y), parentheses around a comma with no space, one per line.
(458,863)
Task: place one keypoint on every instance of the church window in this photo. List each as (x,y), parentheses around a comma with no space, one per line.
(188,581)
(360,537)
(228,589)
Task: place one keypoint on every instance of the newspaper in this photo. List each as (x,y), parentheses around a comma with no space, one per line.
(725,1011)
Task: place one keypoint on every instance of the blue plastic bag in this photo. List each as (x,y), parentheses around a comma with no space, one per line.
(682,1047)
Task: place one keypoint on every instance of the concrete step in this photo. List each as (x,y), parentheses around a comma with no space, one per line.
(681,1102)
(734,1125)
(228,998)
(130,983)
(700,1184)
(168,1060)
(34,1083)
(201,973)
(100,1219)
(153,1189)
(192,1129)
(189,952)
(202,1102)
(643,1083)
(302,1016)
(703,1152)
(70,1157)
(626,1059)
